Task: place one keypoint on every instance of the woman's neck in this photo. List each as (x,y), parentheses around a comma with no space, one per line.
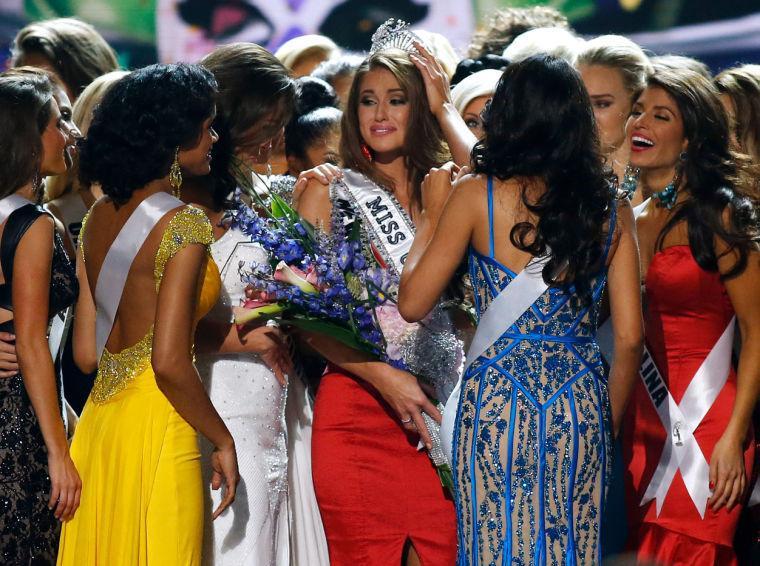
(655,180)
(618,160)
(197,191)
(394,167)
(27,192)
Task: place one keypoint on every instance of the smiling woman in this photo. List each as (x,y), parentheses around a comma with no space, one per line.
(698,240)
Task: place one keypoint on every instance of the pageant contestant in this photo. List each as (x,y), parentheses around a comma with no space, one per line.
(145,277)
(40,485)
(244,374)
(380,498)
(543,234)
(688,441)
(614,71)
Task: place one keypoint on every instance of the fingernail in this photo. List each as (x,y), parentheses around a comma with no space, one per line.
(711,485)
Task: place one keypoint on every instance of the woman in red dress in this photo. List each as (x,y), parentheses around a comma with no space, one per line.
(689,446)
(380,498)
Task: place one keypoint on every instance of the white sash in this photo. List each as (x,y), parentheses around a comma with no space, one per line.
(118,261)
(506,308)
(10,204)
(389,227)
(681,420)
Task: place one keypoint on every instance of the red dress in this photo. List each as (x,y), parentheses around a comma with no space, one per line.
(688,309)
(374,489)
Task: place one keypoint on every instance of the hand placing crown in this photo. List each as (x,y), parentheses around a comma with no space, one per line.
(394,34)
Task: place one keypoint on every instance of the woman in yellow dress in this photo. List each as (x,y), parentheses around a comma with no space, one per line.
(146,278)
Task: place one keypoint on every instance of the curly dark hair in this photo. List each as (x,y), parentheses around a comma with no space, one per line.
(467,67)
(540,125)
(503,26)
(25,110)
(717,179)
(140,123)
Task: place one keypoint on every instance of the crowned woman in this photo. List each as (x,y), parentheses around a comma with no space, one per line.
(380,497)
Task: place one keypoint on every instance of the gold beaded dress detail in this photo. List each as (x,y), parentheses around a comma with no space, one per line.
(142,494)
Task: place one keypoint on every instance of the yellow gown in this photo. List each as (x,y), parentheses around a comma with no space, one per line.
(142,492)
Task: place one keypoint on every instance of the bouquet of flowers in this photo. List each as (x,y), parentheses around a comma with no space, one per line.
(325,283)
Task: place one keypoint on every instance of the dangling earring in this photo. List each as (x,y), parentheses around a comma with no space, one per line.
(37,186)
(175,175)
(630,181)
(366,152)
(669,194)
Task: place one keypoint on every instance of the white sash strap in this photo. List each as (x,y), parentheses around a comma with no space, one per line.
(388,225)
(682,452)
(10,204)
(506,308)
(118,261)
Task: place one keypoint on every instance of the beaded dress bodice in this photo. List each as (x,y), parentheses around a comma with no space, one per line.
(532,441)
(116,370)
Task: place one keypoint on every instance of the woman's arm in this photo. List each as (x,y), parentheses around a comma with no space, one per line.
(267,342)
(624,286)
(455,131)
(727,472)
(400,389)
(31,292)
(444,230)
(172,362)
(84,347)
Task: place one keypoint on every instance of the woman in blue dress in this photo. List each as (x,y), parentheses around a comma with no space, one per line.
(543,234)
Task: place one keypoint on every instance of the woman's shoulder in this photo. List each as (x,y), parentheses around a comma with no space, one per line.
(188,225)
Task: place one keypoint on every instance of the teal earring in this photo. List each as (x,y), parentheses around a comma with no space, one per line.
(630,181)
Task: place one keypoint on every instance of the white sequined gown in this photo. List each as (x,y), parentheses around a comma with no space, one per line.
(254,531)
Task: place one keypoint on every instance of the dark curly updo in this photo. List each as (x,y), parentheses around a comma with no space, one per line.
(316,114)
(140,123)
(540,124)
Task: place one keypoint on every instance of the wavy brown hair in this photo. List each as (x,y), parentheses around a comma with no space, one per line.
(719,181)
(423,142)
(742,86)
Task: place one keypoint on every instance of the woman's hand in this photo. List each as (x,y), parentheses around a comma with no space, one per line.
(65,486)
(403,393)
(324,173)
(436,80)
(727,478)
(436,188)
(8,361)
(225,472)
(271,345)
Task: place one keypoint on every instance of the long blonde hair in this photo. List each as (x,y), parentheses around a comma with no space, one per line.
(56,187)
(424,146)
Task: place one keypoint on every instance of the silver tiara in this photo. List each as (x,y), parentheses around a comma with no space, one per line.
(394,34)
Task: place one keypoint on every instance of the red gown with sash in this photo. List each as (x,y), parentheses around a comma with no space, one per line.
(376,492)
(688,310)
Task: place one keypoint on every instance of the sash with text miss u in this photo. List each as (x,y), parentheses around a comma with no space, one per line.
(8,206)
(118,261)
(389,227)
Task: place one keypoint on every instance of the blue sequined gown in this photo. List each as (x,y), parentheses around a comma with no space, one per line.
(532,440)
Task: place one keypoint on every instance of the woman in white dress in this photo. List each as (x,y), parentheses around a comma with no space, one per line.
(245,371)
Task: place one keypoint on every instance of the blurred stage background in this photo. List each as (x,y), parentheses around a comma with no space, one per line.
(145,31)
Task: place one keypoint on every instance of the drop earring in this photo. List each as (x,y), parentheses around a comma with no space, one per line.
(366,152)
(667,197)
(175,175)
